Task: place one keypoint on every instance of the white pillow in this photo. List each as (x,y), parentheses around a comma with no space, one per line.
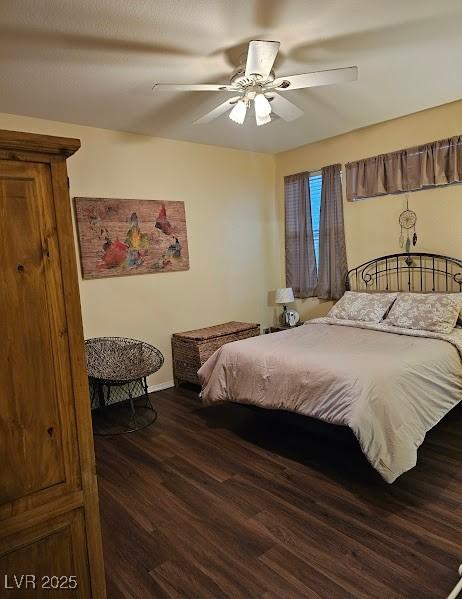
(366,307)
(437,312)
(454,294)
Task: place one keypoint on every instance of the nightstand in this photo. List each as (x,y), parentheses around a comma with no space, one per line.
(280,327)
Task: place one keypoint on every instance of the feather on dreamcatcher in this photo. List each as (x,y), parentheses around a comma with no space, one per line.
(407,221)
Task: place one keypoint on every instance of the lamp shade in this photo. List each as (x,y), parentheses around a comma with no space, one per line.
(262,120)
(238,113)
(284,295)
(262,106)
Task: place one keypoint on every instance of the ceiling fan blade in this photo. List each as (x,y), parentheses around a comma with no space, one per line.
(260,58)
(218,111)
(316,79)
(201,87)
(284,108)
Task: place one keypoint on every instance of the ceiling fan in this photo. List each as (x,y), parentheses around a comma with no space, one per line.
(255,83)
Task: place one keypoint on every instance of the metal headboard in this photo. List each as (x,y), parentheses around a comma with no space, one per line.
(418,272)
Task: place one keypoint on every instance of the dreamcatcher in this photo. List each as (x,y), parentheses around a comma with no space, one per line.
(407,221)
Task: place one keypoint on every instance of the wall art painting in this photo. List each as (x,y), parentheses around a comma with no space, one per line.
(130,237)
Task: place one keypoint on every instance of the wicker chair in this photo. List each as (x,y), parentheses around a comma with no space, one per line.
(117,371)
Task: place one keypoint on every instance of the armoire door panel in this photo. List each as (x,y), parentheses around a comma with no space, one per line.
(37,424)
(49,515)
(46,560)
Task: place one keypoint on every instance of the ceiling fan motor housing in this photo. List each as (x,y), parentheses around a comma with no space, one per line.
(240,79)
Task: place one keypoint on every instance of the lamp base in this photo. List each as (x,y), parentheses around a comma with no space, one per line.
(285,317)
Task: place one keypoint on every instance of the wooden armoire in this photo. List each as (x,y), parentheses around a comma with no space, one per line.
(49,513)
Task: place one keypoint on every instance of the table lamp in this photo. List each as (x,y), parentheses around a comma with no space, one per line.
(284,296)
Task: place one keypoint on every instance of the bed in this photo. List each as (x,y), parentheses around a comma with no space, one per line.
(389,385)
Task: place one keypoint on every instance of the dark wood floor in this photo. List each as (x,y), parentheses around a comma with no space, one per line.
(229,501)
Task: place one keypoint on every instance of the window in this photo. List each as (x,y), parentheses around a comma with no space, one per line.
(302,197)
(307,272)
(315,201)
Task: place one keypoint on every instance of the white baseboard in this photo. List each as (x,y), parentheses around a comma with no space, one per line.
(161,386)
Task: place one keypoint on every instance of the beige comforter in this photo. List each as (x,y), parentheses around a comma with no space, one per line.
(389,385)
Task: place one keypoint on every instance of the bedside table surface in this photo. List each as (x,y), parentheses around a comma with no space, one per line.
(280,327)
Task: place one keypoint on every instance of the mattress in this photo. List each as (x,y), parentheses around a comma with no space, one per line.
(390,386)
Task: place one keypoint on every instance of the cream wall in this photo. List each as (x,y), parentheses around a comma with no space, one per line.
(371,227)
(231,220)
(235,216)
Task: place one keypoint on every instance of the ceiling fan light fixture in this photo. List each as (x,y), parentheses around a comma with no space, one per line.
(262,106)
(255,82)
(262,120)
(238,112)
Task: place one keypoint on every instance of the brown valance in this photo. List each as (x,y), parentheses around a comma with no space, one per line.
(411,169)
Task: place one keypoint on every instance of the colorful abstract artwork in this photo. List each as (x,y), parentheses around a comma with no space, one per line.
(130,237)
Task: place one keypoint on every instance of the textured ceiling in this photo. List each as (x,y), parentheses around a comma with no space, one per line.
(94,62)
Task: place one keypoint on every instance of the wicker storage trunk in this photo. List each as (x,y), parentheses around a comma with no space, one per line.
(192,348)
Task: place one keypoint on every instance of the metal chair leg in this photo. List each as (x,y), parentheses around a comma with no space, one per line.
(148,403)
(132,406)
(101,400)
(137,416)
